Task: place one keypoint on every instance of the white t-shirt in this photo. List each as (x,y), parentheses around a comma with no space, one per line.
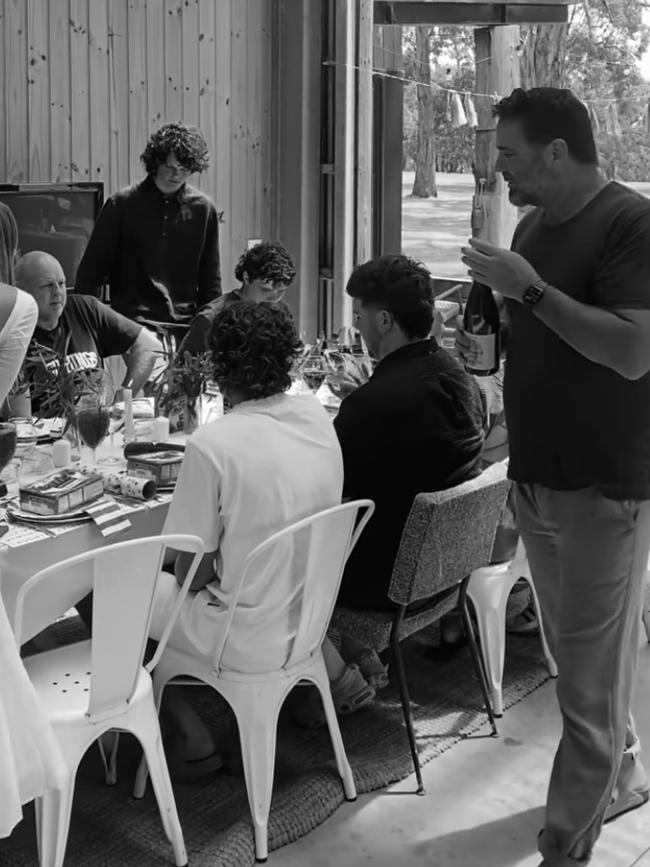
(264,465)
(14,339)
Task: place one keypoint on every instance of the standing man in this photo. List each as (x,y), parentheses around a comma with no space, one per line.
(157,243)
(577,401)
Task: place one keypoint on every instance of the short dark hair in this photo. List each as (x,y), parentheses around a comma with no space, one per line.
(253,347)
(400,285)
(268,260)
(185,142)
(547,113)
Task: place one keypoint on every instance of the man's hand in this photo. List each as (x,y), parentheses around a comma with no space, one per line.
(500,269)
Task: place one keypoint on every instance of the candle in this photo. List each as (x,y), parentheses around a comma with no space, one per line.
(160,433)
(129,430)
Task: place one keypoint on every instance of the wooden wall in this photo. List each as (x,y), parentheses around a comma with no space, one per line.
(84,82)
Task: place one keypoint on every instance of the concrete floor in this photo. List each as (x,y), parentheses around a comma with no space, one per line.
(483,807)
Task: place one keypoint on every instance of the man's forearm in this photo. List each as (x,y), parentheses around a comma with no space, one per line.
(606,337)
(139,365)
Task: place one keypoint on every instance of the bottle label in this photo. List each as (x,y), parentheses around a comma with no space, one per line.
(484,351)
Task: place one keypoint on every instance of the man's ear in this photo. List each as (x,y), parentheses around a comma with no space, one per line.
(384,320)
(558,149)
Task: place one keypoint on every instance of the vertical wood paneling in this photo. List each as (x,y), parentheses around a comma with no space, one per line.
(80,86)
(99,92)
(138,131)
(38,85)
(155,64)
(119,93)
(239,70)
(60,108)
(83,83)
(223,138)
(173,60)
(16,91)
(190,21)
(207,117)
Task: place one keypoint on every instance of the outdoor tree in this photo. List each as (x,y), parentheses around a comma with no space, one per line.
(424,184)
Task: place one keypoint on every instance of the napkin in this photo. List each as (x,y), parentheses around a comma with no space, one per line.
(109,516)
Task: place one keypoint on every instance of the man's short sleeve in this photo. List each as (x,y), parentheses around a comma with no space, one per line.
(114,334)
(623,276)
(195,504)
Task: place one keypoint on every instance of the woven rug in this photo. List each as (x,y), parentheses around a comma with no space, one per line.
(111,829)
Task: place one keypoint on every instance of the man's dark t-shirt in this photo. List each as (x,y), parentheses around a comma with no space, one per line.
(573,423)
(415,426)
(87,332)
(195,341)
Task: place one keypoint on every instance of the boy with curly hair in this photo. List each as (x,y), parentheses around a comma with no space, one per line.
(157,243)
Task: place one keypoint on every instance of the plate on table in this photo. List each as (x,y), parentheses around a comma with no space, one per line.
(18,514)
(49,428)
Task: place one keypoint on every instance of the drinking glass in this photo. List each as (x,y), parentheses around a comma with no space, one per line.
(92,419)
(7,450)
(313,372)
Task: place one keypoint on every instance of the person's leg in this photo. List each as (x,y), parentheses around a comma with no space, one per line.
(590,594)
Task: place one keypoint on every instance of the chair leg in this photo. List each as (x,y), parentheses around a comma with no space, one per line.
(396,651)
(342,763)
(475,654)
(147,729)
(491,632)
(257,720)
(52,814)
(110,741)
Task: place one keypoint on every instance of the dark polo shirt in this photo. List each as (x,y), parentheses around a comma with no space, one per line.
(416,425)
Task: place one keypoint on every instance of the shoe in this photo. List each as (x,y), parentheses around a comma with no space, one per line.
(350,692)
(631,790)
(373,670)
(525,623)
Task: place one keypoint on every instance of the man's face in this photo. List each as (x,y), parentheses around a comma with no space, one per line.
(46,284)
(267,290)
(525,167)
(171,175)
(365,319)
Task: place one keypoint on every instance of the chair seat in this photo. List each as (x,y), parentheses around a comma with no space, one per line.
(61,678)
(373,627)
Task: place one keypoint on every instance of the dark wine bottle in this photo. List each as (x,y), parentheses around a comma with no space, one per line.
(481,321)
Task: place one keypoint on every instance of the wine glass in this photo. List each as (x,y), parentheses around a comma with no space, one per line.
(8,439)
(93,420)
(313,372)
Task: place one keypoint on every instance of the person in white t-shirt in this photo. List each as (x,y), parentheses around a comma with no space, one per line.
(272,460)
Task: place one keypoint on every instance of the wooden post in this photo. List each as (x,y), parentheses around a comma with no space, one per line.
(363,250)
(497,74)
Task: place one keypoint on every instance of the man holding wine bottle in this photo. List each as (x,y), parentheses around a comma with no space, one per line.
(577,401)
(78,329)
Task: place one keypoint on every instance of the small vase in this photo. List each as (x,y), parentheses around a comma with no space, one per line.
(72,435)
(192,413)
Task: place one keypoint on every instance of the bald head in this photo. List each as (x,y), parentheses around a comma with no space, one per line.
(41,275)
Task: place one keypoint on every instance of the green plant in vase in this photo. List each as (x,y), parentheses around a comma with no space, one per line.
(178,389)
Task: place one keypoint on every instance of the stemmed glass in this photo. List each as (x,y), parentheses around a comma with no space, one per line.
(93,420)
(314,370)
(8,438)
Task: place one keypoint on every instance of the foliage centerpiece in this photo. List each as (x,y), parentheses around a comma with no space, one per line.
(178,388)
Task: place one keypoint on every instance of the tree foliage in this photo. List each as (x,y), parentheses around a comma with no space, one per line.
(596,54)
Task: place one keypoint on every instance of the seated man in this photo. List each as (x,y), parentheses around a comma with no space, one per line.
(265,272)
(79,329)
(416,425)
(272,460)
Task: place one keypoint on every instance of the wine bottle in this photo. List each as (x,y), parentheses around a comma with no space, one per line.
(481,321)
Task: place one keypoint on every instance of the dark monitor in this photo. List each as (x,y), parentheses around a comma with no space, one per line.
(56,218)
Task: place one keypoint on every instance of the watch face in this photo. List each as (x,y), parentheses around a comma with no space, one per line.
(532,295)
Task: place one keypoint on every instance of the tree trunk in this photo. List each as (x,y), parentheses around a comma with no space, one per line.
(424,184)
(542,59)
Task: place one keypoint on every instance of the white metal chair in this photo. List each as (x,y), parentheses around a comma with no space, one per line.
(488,588)
(316,549)
(100,684)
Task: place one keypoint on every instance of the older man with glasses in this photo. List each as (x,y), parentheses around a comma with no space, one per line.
(157,243)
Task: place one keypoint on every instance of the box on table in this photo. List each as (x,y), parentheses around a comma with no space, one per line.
(163,466)
(61,492)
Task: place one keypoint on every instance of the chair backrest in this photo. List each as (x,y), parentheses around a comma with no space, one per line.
(122,578)
(447,535)
(314,551)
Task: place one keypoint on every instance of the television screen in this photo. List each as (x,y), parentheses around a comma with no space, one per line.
(56,218)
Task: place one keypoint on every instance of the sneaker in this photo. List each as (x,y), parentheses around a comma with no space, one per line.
(373,669)
(525,623)
(631,790)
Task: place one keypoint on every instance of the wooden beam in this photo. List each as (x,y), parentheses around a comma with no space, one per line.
(363,247)
(478,14)
(497,72)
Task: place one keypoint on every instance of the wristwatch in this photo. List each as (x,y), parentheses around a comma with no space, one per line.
(534,293)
